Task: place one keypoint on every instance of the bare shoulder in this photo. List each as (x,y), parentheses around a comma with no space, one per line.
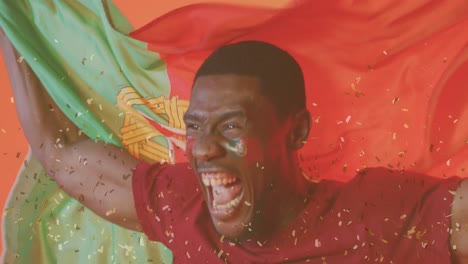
(459,223)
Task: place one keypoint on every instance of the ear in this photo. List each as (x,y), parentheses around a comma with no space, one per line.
(299,131)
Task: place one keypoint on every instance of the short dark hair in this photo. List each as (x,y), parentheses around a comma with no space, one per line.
(279,74)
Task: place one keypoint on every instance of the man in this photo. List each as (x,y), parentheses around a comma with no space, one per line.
(250,202)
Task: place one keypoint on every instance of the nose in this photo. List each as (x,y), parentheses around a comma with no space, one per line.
(207,147)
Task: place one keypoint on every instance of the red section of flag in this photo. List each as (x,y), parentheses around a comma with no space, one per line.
(386,82)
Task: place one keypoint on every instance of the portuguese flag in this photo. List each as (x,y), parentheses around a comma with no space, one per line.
(387,85)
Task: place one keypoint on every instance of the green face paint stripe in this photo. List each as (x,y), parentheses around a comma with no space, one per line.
(237,147)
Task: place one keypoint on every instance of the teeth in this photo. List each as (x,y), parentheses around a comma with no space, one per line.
(206,182)
(230,205)
(217,179)
(213,182)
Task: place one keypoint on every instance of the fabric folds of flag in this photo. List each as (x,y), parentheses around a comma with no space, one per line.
(81,52)
(386,85)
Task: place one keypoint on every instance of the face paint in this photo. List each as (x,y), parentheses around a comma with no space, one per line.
(236,146)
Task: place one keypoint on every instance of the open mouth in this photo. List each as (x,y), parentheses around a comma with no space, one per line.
(225,193)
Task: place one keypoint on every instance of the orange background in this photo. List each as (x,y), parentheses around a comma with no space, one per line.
(13,146)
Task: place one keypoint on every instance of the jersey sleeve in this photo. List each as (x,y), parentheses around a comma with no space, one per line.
(159,198)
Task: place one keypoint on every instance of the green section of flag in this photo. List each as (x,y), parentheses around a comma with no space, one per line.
(81,52)
(43,225)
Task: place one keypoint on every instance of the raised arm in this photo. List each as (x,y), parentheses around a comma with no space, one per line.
(96,174)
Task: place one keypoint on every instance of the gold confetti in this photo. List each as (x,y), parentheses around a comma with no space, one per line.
(347,119)
(110,212)
(318,243)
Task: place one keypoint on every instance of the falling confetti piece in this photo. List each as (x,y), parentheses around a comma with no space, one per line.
(347,119)
(318,243)
(110,212)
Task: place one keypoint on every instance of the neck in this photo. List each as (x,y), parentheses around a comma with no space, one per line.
(287,200)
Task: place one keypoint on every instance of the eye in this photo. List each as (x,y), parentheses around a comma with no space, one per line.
(231,126)
(194,127)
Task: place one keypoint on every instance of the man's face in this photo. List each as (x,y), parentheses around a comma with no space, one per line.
(234,144)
